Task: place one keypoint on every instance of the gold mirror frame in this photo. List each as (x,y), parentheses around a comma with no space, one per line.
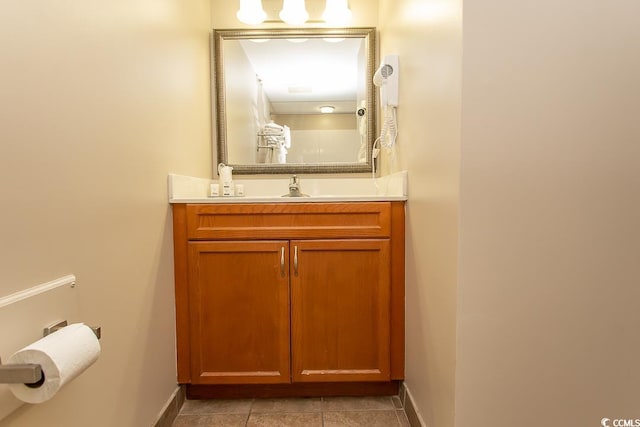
(220,117)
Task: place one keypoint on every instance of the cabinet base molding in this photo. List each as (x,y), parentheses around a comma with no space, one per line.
(197,391)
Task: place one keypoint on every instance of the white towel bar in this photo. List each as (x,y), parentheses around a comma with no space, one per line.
(69,280)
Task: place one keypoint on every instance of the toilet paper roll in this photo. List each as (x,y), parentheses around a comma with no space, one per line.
(63,355)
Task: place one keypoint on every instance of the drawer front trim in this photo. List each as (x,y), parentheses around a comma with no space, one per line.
(288,221)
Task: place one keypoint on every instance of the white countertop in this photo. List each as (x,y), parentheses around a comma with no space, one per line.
(276,199)
(393,187)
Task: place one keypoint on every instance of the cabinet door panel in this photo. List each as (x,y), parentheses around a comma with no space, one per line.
(239,308)
(340,310)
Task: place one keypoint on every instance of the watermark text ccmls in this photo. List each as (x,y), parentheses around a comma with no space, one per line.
(620,422)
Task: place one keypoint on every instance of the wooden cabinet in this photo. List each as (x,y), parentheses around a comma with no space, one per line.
(340,310)
(238,313)
(289,294)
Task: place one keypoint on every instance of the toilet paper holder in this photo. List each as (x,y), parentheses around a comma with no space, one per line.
(31,373)
(59,325)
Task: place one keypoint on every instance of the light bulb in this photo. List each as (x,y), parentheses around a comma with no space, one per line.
(251,12)
(294,12)
(337,12)
(327,109)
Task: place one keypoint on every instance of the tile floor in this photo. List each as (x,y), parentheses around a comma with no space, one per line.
(294,412)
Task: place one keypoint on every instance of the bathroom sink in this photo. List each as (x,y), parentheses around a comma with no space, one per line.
(185,189)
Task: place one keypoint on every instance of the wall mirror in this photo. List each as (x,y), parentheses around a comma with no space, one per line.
(294,100)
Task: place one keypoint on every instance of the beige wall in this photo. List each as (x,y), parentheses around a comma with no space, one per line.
(99,102)
(427,37)
(548,312)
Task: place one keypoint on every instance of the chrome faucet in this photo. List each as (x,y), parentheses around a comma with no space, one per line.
(294,188)
(294,185)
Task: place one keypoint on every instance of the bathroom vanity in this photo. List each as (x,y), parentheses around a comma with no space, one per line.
(289,298)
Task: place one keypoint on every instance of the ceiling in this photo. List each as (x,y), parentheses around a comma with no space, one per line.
(299,76)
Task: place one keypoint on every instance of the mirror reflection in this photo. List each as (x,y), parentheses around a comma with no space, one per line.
(291,101)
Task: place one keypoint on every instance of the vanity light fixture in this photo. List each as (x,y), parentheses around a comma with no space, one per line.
(337,12)
(251,12)
(327,109)
(294,12)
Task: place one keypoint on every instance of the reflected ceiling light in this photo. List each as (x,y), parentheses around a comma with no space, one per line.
(251,12)
(327,109)
(337,12)
(294,12)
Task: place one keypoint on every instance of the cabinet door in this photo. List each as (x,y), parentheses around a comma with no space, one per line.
(340,310)
(239,312)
